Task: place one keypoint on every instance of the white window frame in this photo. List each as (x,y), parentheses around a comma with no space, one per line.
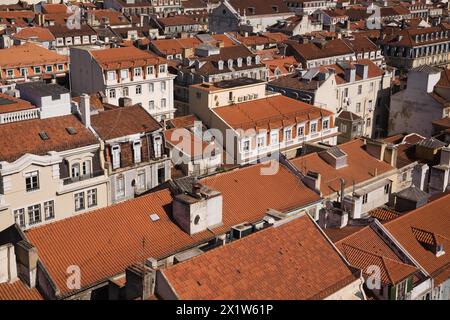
(115,155)
(137,147)
(92,199)
(49,210)
(244,143)
(274,138)
(138,89)
(120,186)
(124,74)
(79,199)
(32,218)
(31,175)
(258,140)
(111,75)
(19,217)
(138,72)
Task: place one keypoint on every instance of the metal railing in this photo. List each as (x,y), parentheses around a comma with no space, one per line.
(71,180)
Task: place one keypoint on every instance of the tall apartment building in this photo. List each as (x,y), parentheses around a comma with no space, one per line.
(125,75)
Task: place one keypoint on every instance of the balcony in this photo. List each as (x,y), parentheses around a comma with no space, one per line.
(70,180)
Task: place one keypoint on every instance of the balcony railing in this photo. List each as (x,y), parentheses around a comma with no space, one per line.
(71,180)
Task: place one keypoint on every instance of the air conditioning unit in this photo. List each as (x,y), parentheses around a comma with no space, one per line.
(241,230)
(258,225)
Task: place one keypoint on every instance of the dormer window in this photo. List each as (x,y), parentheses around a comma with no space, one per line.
(115,154)
(37,70)
(257,59)
(111,75)
(124,74)
(157,146)
(162,68)
(249,61)
(230,63)
(239,62)
(220,63)
(137,72)
(150,70)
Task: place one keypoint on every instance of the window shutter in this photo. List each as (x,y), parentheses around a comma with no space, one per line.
(137,151)
(115,152)
(393,293)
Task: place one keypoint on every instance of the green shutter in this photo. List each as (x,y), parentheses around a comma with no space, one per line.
(409,284)
(393,293)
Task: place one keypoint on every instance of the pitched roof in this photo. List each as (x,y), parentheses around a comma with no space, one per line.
(175,46)
(413,194)
(12,104)
(366,248)
(125,57)
(383,214)
(54,8)
(18,291)
(185,141)
(311,51)
(260,7)
(176,21)
(101,243)
(360,167)
(27,137)
(267,112)
(34,34)
(373,70)
(276,263)
(121,122)
(29,54)
(434,219)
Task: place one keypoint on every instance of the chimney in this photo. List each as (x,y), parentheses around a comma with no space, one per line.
(376,149)
(350,74)
(313,180)
(341,200)
(362,70)
(27,259)
(85,110)
(445,156)
(125,102)
(198,210)
(8,267)
(390,155)
(140,282)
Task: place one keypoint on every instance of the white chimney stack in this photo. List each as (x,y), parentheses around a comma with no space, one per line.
(85,110)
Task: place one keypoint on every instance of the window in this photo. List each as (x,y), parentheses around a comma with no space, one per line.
(49,210)
(137,72)
(79,201)
(48,69)
(313,127)
(163,86)
(75,171)
(138,89)
(32,181)
(86,168)
(163,103)
(150,70)
(124,74)
(368,122)
(325,124)
(365,198)
(111,75)
(115,151)
(151,105)
(120,186)
(125,92)
(230,96)
(23,72)
(162,68)
(34,214)
(346,92)
(372,86)
(370,105)
(246,145)
(387,188)
(360,89)
(261,141)
(288,135)
(60,67)
(358,107)
(151,87)
(141,180)
(274,138)
(92,198)
(157,145)
(19,217)
(112,93)
(343,127)
(300,131)
(37,70)
(137,151)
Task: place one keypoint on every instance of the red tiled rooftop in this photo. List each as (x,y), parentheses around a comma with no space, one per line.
(434,219)
(268,111)
(125,57)
(18,291)
(277,263)
(29,55)
(361,167)
(11,104)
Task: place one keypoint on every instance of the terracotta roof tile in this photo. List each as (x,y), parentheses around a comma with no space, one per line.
(366,248)
(27,138)
(126,57)
(121,122)
(260,7)
(384,214)
(11,104)
(194,147)
(18,291)
(264,112)
(432,221)
(34,34)
(276,263)
(361,167)
(175,46)
(29,54)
